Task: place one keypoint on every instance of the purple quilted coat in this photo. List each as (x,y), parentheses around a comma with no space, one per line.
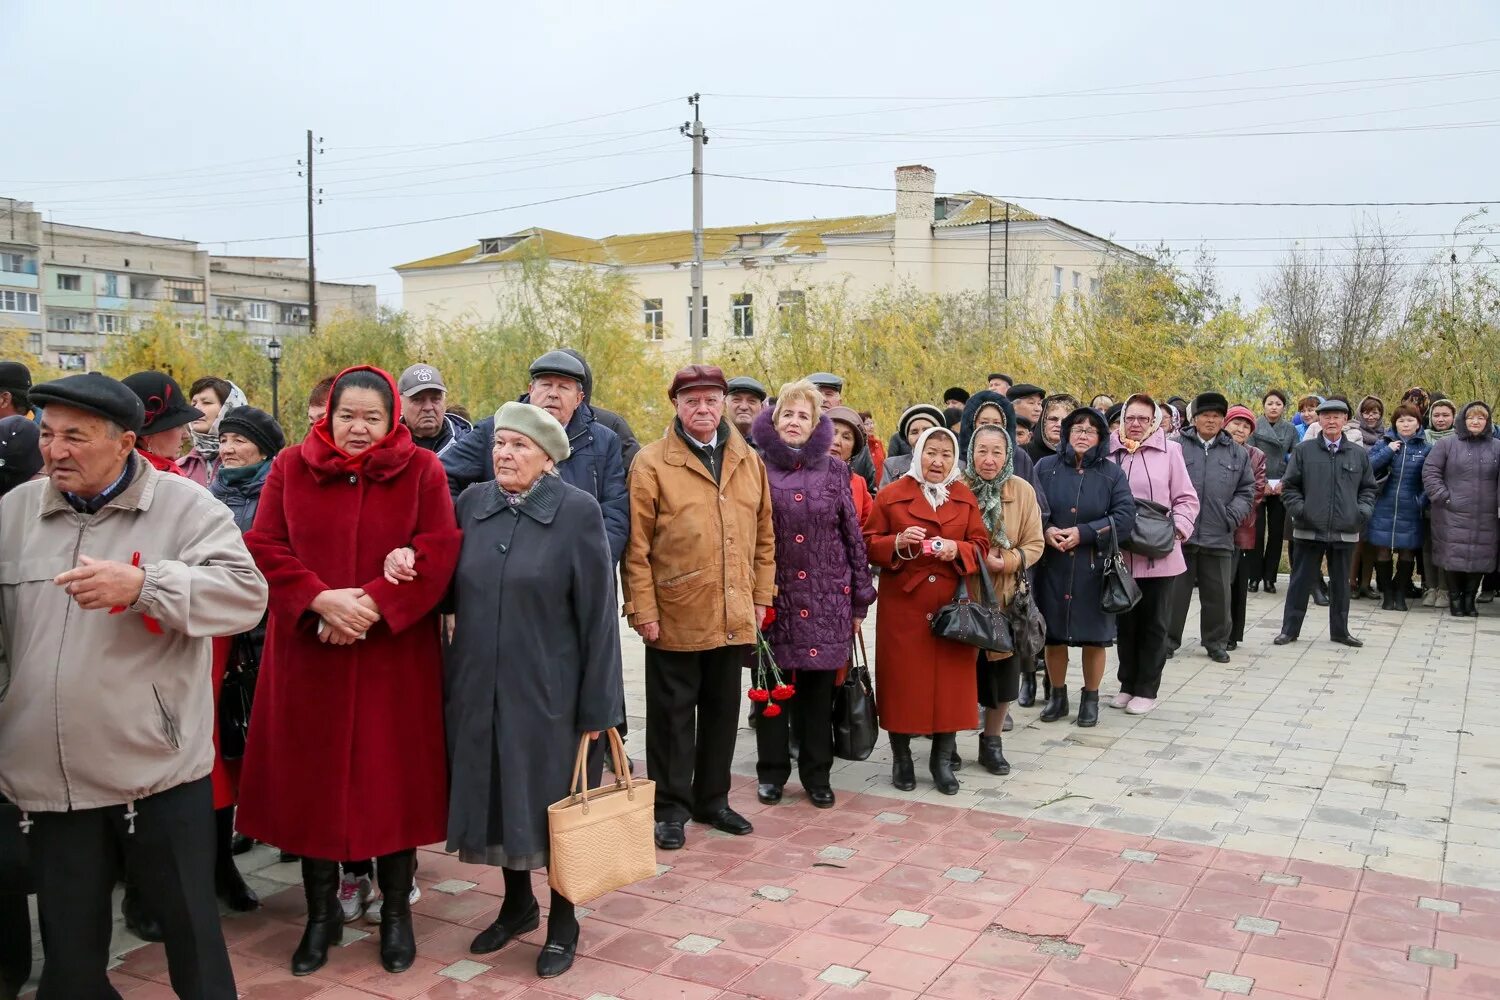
(822,572)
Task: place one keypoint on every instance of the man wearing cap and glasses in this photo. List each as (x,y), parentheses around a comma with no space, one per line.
(425,410)
(699,573)
(117,576)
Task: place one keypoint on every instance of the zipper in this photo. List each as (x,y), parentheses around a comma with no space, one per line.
(169,724)
(62,766)
(1396,511)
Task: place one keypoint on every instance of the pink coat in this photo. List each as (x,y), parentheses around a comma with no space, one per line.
(1157,472)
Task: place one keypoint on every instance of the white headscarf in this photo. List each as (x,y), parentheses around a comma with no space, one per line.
(207,443)
(936,493)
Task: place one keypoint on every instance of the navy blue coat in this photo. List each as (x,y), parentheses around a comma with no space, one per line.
(596,466)
(1397,520)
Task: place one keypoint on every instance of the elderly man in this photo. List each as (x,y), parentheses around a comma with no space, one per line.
(699,574)
(424,410)
(747,398)
(559,385)
(15,384)
(1225,483)
(999,382)
(831,388)
(1329,492)
(120,576)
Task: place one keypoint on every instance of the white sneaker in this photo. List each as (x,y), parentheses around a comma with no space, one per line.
(354,895)
(1120,700)
(372,912)
(1140,706)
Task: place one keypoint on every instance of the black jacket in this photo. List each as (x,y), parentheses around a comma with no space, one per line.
(1225,484)
(1329,495)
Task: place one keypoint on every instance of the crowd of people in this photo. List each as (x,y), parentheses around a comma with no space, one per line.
(209,634)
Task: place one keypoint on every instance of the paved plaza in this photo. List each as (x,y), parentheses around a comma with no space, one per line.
(1308,821)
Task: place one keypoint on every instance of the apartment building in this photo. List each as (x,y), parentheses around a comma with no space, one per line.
(71,288)
(970,242)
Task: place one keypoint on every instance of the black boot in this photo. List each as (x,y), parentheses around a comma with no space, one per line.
(1383,581)
(903,772)
(1046,685)
(325,921)
(992,755)
(398,941)
(1457,583)
(1057,704)
(940,764)
(1471,596)
(228,882)
(1088,708)
(1401,584)
(1027,697)
(1320,593)
(138,920)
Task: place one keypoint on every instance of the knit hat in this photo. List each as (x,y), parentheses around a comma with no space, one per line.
(97,394)
(257,426)
(165,405)
(955,394)
(1238,412)
(537,424)
(1210,402)
(924,410)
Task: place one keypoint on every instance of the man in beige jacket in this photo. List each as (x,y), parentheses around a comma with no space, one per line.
(114,578)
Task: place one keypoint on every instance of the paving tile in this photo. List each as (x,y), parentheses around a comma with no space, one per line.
(1186,958)
(1293,978)
(1226,982)
(697,944)
(1432,956)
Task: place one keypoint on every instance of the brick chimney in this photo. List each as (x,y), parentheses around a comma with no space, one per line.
(914,187)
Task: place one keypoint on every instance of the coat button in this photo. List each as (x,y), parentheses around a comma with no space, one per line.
(846,590)
(353,478)
(798,539)
(802,574)
(929,616)
(932,579)
(812,652)
(803,612)
(730,636)
(504,548)
(797,497)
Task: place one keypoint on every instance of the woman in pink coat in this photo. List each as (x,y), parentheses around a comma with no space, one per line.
(1156,472)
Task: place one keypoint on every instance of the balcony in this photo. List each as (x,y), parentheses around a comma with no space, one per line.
(18,279)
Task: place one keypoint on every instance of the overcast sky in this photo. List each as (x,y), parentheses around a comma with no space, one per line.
(187,119)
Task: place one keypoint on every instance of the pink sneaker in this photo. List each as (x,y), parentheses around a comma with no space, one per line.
(1140,706)
(1121,700)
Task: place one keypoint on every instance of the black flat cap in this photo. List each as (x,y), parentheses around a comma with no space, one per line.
(1023,389)
(257,426)
(165,405)
(14,375)
(559,363)
(1209,402)
(956,394)
(744,383)
(826,380)
(97,394)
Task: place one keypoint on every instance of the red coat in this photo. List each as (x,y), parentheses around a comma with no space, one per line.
(346,756)
(923,684)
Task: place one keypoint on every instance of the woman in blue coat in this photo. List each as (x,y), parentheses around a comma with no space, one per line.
(1088,505)
(1396,525)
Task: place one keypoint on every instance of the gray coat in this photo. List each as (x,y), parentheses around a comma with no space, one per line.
(534,664)
(1225,484)
(1277,441)
(1329,496)
(1462,478)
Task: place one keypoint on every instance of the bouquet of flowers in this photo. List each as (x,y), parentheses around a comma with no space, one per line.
(768,685)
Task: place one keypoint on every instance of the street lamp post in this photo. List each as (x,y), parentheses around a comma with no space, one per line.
(273,351)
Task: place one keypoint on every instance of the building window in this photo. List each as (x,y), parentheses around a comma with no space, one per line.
(140,288)
(71,362)
(184,291)
(258,310)
(791,308)
(16,264)
(1093,286)
(227,308)
(1077,282)
(112,285)
(69,282)
(703,329)
(63,322)
(651,314)
(294,315)
(1057,282)
(109,323)
(743,306)
(17,302)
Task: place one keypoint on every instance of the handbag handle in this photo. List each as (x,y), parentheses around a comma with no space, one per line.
(623,779)
(986,588)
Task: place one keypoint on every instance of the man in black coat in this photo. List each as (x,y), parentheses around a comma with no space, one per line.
(1329,491)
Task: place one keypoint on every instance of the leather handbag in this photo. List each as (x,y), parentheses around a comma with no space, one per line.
(1155,533)
(1028,629)
(1118,591)
(236,698)
(601,838)
(974,623)
(854,722)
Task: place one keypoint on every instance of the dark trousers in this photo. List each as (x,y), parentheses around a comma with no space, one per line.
(1239,593)
(810,710)
(169,859)
(692,718)
(1270,529)
(15,915)
(1142,637)
(1212,571)
(1306,567)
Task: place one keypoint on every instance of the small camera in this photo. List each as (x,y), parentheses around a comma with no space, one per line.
(931,546)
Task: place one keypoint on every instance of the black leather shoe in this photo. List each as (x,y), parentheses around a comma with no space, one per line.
(903,772)
(728,821)
(241,844)
(1320,594)
(1270,586)
(1057,705)
(821,797)
(498,934)
(137,920)
(670,835)
(767,793)
(1231,646)
(1348,640)
(555,958)
(230,887)
(1088,709)
(1008,724)
(1218,655)
(1283,639)
(1027,697)
(1254,586)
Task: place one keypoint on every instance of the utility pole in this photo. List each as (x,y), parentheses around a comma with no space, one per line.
(312,265)
(696,333)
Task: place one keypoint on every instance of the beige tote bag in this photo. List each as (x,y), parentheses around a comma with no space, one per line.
(602,838)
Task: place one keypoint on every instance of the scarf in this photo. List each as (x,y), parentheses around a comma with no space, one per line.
(936,493)
(989,491)
(240,475)
(207,442)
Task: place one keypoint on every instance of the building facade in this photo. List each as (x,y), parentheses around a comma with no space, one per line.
(70,288)
(754,275)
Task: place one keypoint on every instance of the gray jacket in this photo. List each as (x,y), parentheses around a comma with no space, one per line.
(1277,441)
(1225,484)
(1329,495)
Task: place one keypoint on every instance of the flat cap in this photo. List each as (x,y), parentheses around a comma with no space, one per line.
(744,383)
(419,378)
(537,424)
(560,363)
(97,394)
(698,377)
(1023,389)
(1333,406)
(826,380)
(14,375)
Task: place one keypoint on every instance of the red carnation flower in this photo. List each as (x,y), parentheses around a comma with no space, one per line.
(769,618)
(782,692)
(760,695)
(771,711)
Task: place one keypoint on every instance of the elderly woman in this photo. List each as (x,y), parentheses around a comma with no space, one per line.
(823,587)
(914,422)
(925,535)
(1155,471)
(168,414)
(216,398)
(1462,476)
(1395,528)
(849,439)
(1089,507)
(1440,417)
(349,653)
(1008,507)
(533,666)
(1240,423)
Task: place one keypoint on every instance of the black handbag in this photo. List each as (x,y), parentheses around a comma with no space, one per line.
(974,623)
(855,725)
(1118,591)
(236,697)
(1028,629)
(1155,533)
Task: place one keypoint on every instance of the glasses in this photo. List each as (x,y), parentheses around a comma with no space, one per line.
(1137,420)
